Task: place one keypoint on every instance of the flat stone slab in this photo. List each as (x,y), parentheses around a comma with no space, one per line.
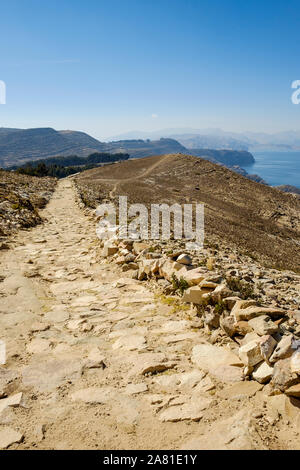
(134,389)
(234,433)
(57,316)
(130,343)
(84,301)
(227,374)
(46,376)
(241,390)
(186,380)
(207,356)
(149,363)
(192,411)
(13,400)
(174,326)
(38,346)
(94,395)
(9,436)
(177,338)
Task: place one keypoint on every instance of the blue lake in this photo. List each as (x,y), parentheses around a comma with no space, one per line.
(277,167)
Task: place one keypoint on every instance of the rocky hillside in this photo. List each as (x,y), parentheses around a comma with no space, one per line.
(20,145)
(260,221)
(20,199)
(254,310)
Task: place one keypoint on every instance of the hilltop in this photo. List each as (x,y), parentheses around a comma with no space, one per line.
(257,219)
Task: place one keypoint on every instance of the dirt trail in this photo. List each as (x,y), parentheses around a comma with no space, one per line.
(81,339)
(142,175)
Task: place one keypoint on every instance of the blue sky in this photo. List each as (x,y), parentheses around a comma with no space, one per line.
(107,67)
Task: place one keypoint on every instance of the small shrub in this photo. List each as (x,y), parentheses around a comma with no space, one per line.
(244,288)
(179,285)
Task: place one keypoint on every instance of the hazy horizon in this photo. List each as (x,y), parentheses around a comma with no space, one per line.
(108,67)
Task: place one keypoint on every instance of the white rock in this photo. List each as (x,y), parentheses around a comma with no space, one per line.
(295,362)
(262,373)
(283,349)
(195,294)
(250,353)
(184,259)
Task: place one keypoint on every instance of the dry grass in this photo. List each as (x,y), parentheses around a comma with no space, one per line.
(260,221)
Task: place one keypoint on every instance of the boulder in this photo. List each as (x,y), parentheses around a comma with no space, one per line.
(250,353)
(284,349)
(184,259)
(194,294)
(192,276)
(262,373)
(243,312)
(283,377)
(263,325)
(242,305)
(267,345)
(109,249)
(138,247)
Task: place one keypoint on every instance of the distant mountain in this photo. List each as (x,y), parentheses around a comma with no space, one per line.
(219,139)
(138,148)
(18,146)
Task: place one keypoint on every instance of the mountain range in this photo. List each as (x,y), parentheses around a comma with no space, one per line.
(219,139)
(17,146)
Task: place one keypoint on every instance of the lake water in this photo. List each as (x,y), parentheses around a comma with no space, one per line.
(277,167)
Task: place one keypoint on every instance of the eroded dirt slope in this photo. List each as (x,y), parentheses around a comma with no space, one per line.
(258,219)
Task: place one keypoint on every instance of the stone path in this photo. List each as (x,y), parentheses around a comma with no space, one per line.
(95,360)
